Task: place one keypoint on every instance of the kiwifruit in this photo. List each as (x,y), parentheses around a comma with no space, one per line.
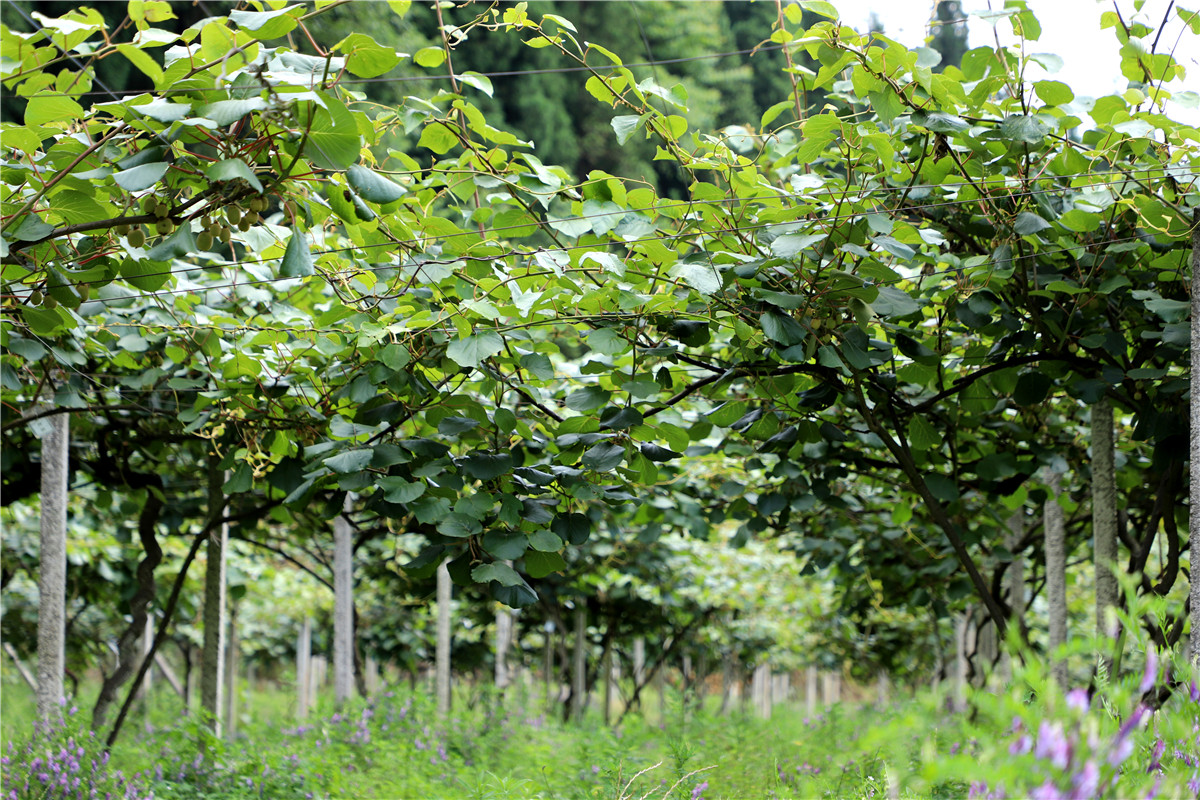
(49,302)
(204,240)
(163,227)
(233,214)
(162,210)
(35,298)
(84,290)
(137,236)
(122,230)
(245,224)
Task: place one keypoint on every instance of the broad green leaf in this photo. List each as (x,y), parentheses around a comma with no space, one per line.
(942,488)
(572,528)
(921,434)
(540,564)
(658,454)
(350,460)
(781,328)
(1053,93)
(240,480)
(702,277)
(505,543)
(143,61)
(459,526)
(178,245)
(940,122)
(604,457)
(486,466)
(886,105)
(227,112)
(46,321)
(545,541)
(297,259)
(1022,128)
(477,81)
(241,365)
(453,426)
(607,341)
(620,419)
(55,109)
(538,365)
(373,186)
(149,276)
(1032,388)
(822,7)
(501,573)
(1027,223)
(589,398)
(625,127)
(438,138)
(32,228)
(726,414)
(792,244)
(514,596)
(430,57)
(267,24)
(897,248)
(398,490)
(233,169)
(996,466)
(333,139)
(893,302)
(772,113)
(471,350)
(162,110)
(365,57)
(141,177)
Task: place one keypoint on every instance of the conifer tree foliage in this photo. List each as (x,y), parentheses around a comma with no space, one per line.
(885,311)
(948,34)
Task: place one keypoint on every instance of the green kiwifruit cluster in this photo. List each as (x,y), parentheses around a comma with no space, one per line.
(242,215)
(212,230)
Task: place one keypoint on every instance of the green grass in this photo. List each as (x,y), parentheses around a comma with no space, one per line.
(393,746)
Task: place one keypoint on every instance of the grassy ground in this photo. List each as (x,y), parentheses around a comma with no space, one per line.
(393,747)
(1018,743)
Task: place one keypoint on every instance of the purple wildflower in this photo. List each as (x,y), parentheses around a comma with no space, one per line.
(1047,791)
(1156,755)
(1078,700)
(698,792)
(1086,784)
(1151,672)
(1053,745)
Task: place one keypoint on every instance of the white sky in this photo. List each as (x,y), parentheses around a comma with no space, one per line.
(1070,29)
